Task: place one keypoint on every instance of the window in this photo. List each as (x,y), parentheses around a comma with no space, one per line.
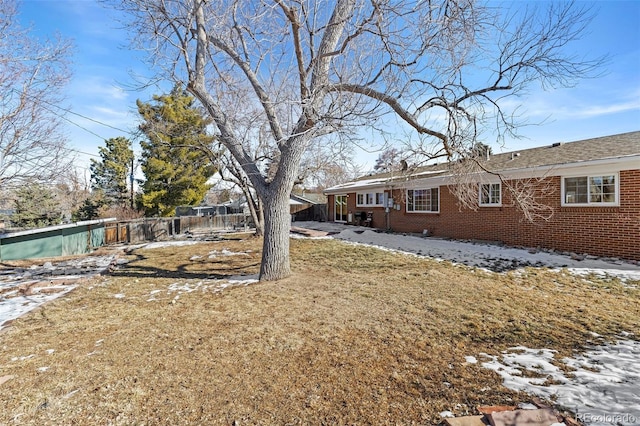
(597,190)
(490,194)
(369,199)
(423,200)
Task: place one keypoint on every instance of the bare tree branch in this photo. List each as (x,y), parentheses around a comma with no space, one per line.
(32,75)
(277,77)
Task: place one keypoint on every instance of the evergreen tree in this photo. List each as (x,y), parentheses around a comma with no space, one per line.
(36,206)
(111,173)
(90,208)
(176,170)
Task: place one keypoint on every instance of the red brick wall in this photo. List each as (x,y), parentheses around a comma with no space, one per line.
(600,231)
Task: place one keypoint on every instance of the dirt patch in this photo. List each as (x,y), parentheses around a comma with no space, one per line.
(354,336)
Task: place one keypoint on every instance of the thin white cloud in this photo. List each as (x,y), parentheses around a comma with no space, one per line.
(599,110)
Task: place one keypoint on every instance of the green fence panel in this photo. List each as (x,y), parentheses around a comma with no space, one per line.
(75,241)
(65,240)
(46,244)
(97,236)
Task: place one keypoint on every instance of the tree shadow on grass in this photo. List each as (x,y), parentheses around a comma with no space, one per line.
(133,269)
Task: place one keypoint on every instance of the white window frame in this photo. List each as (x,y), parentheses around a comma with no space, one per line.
(437,188)
(369,199)
(491,186)
(590,203)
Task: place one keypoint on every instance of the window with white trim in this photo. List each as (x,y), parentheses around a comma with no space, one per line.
(423,200)
(490,194)
(369,199)
(590,190)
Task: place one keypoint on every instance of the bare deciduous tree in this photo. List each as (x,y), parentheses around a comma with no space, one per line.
(525,194)
(306,69)
(32,74)
(231,172)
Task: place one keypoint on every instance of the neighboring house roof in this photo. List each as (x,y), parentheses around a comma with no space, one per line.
(309,198)
(607,148)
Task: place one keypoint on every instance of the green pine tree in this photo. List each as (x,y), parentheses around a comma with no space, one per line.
(90,208)
(176,170)
(36,206)
(112,172)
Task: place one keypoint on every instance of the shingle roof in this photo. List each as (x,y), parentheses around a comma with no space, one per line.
(606,147)
(557,154)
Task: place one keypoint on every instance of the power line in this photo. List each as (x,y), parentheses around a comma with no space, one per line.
(69,111)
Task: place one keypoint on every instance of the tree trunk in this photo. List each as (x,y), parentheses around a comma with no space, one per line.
(260,219)
(277,225)
(255,209)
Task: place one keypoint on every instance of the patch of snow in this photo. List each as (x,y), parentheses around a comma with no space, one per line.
(602,388)
(50,276)
(22,358)
(184,288)
(161,244)
(215,286)
(70,394)
(482,255)
(43,369)
(225,252)
(445,414)
(471,359)
(119,296)
(243,279)
(13,306)
(50,351)
(528,406)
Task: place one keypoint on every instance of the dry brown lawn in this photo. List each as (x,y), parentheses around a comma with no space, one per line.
(355,336)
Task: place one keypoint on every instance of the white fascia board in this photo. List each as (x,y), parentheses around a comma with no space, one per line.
(606,165)
(357,185)
(381,183)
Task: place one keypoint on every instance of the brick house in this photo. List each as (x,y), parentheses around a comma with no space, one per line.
(592,187)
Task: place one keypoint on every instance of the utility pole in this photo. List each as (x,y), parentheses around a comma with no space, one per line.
(131,180)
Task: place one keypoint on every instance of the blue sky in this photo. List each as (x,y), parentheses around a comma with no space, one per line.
(101,88)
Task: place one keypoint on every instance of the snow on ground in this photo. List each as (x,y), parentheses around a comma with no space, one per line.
(214,286)
(14,305)
(161,244)
(493,257)
(603,387)
(24,289)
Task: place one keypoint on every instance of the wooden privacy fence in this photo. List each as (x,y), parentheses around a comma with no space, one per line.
(151,229)
(116,233)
